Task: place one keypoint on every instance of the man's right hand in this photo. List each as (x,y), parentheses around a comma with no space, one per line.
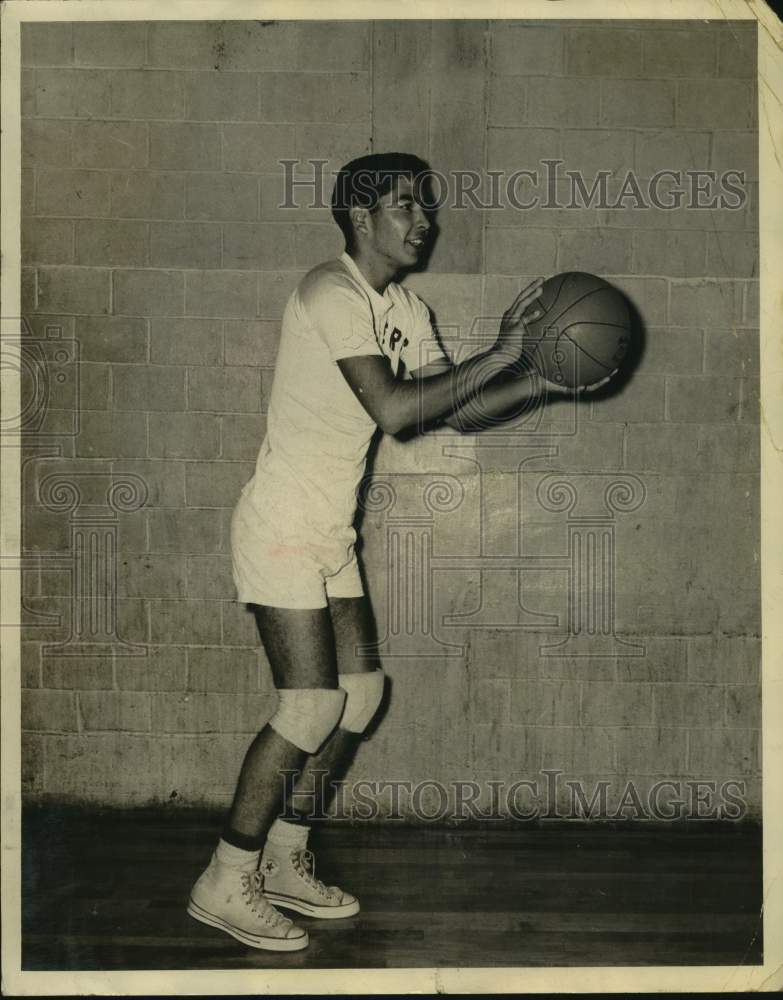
(510,341)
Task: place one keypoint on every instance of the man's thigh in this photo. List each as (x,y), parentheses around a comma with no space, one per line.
(299,644)
(353,626)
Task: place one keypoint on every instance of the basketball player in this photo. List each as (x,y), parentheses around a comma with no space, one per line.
(349,361)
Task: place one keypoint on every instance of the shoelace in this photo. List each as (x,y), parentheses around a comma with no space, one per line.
(252,884)
(304,863)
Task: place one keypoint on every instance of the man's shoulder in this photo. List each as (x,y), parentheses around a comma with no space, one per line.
(408,298)
(329,282)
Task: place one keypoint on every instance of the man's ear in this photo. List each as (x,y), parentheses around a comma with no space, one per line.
(360,220)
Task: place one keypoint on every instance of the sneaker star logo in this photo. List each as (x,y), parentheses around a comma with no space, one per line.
(269,867)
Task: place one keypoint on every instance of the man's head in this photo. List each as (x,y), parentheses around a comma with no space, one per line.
(383,201)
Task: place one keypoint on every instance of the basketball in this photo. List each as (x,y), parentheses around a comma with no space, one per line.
(584,332)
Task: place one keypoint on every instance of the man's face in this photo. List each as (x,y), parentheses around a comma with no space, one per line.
(398,226)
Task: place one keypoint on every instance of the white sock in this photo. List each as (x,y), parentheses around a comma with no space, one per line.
(235,857)
(283,834)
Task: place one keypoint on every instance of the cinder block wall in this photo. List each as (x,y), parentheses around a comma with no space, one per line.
(152,235)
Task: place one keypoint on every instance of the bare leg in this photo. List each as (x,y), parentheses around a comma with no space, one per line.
(352,623)
(301,651)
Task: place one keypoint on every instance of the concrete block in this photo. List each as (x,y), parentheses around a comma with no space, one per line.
(27,193)
(111,242)
(248,714)
(48,711)
(680,253)
(223,45)
(335,143)
(153,387)
(221,197)
(656,447)
(274,290)
(333,46)
(736,151)
(257,148)
(750,303)
(743,707)
(491,700)
(400,92)
(110,144)
(514,251)
(112,435)
(27,92)
(737,51)
(215,669)
(594,447)
(650,751)
(239,626)
(637,103)
(682,704)
(672,352)
(146,93)
(705,303)
(118,711)
(73,289)
(241,435)
(47,241)
(183,435)
(224,390)
(733,255)
(715,753)
(230,294)
(147,575)
(164,481)
(504,653)
(665,659)
(683,51)
(509,150)
(30,664)
(164,668)
(558,101)
(185,244)
(259,246)
(72,93)
(599,251)
(185,622)
(577,751)
(641,400)
(592,150)
(724,659)
(147,195)
(94,386)
(220,97)
(508,101)
(150,292)
(46,143)
(717,104)
(604,51)
(46,43)
(300,197)
(750,401)
(112,338)
(32,764)
(184,530)
(616,704)
(185,342)
(206,489)
(209,576)
(314,97)
(723,448)
(251,342)
(72,193)
(543,703)
(671,149)
(189,712)
(314,244)
(527,51)
(110,43)
(77,673)
(184,146)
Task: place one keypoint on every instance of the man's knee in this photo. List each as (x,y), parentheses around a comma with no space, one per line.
(364,693)
(306,716)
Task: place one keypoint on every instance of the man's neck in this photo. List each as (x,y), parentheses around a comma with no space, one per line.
(377,272)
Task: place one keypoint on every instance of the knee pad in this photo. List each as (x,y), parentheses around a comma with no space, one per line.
(306,716)
(363,696)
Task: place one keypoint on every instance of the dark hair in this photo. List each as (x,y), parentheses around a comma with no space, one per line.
(363,181)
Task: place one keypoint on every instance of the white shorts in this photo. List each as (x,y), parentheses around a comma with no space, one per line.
(292,571)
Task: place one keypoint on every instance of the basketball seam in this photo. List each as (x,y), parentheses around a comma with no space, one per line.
(589,355)
(571,305)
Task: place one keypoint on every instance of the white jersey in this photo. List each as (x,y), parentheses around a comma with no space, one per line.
(313,456)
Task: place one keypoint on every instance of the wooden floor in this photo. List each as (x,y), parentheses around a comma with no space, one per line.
(109,892)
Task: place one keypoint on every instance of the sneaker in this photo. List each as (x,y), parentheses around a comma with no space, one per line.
(232,900)
(290,882)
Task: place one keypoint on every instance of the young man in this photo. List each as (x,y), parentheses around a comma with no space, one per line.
(349,361)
